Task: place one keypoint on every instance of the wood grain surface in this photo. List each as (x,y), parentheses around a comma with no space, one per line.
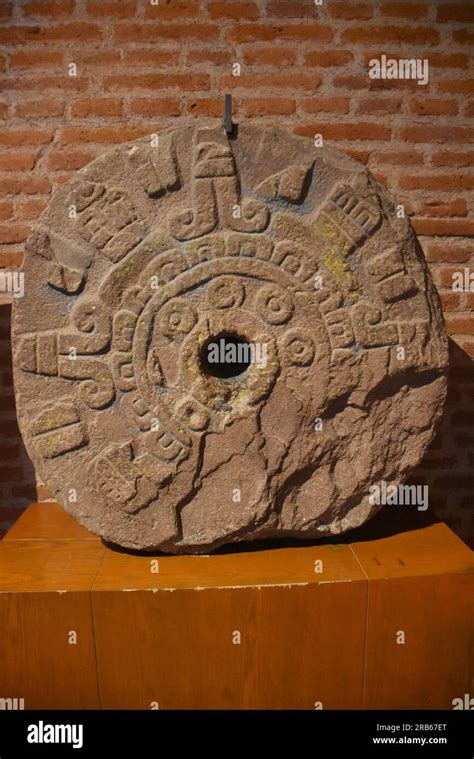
(48,521)
(37,661)
(298,645)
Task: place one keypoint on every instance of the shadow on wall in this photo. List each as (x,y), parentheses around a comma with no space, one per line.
(448,465)
(447,468)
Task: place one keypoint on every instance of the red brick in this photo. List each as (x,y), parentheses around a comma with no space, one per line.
(370,53)
(350,11)
(380,175)
(433,107)
(173,10)
(270,56)
(6,209)
(11,474)
(359,155)
(121,9)
(462,370)
(431,462)
(3,110)
(351,82)
(436,133)
(10,260)
(102,135)
(269,33)
(187,82)
(232,10)
(292,8)
(5,331)
(460,86)
(31,108)
(444,227)
(443,182)
(360,131)
(447,253)
(460,324)
(36,59)
(33,84)
(10,453)
(216,57)
(85,59)
(68,159)
(451,158)
(17,161)
(293,81)
(456,12)
(152,57)
(395,85)
(76,32)
(13,233)
(31,208)
(450,301)
(392,34)
(25,136)
(62,179)
(155,107)
(325,104)
(404,10)
(6,9)
(464,36)
(379,105)
(157,32)
(447,60)
(97,107)
(268,106)
(467,345)
(205,106)
(453,482)
(327,58)
(7,381)
(447,275)
(433,207)
(24,183)
(53,8)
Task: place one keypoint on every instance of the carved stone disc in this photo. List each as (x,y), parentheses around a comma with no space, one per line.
(164,248)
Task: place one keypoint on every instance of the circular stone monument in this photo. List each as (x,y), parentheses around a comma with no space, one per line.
(225,339)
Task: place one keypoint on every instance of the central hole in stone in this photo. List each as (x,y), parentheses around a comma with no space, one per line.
(225,356)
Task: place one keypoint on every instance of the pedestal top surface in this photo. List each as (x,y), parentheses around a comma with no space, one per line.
(46,550)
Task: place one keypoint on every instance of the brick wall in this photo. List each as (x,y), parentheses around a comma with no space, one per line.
(144,66)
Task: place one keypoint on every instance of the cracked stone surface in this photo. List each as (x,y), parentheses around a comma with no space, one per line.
(159,247)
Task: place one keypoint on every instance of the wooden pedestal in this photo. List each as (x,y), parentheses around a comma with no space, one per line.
(381,619)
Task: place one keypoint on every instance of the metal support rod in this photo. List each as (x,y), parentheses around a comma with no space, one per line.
(228,113)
